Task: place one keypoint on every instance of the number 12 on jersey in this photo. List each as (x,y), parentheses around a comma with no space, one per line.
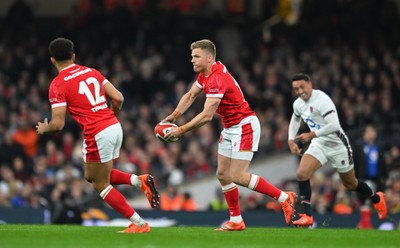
(84,90)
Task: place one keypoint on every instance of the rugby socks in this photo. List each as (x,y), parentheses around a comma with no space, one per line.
(231,193)
(305,196)
(261,185)
(118,177)
(137,220)
(117,201)
(363,189)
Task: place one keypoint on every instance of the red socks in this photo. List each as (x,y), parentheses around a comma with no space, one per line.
(261,185)
(118,177)
(117,201)
(231,193)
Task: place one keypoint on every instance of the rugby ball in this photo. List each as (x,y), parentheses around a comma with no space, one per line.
(162,129)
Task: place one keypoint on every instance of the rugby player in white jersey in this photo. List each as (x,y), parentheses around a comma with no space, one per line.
(329,144)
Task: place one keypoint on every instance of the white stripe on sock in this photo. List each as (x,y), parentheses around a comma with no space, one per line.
(228,187)
(253,181)
(105,191)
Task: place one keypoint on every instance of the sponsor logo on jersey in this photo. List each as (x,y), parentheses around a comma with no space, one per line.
(311,123)
(77,74)
(213,90)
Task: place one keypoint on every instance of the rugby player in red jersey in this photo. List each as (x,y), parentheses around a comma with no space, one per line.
(83,92)
(239,139)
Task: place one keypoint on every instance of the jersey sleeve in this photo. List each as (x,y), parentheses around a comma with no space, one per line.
(295,109)
(102,80)
(56,96)
(326,106)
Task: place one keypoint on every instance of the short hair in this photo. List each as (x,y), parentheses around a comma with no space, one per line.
(301,76)
(205,45)
(61,49)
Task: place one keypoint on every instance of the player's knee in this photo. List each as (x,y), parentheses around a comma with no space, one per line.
(350,185)
(88,179)
(100,186)
(222,175)
(303,175)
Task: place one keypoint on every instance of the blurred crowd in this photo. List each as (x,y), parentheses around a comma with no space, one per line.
(143,49)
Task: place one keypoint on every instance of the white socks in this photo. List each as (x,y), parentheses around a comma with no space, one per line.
(283,196)
(135,180)
(137,220)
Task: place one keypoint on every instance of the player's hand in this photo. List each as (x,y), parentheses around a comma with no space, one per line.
(305,137)
(294,148)
(41,126)
(176,132)
(170,118)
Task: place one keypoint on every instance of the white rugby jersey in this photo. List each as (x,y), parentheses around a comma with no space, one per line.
(313,112)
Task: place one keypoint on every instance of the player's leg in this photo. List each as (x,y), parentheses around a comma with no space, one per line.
(99,175)
(113,137)
(145,182)
(238,173)
(98,154)
(246,137)
(352,183)
(341,158)
(231,194)
(308,165)
(118,177)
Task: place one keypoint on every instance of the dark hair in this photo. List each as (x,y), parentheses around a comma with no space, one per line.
(61,49)
(301,76)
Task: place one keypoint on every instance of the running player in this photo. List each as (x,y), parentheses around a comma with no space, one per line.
(82,92)
(328,144)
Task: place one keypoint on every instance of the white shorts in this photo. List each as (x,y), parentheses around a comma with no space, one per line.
(241,140)
(339,156)
(104,146)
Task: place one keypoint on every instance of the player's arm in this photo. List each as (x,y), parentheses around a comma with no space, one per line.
(210,107)
(117,99)
(333,125)
(294,127)
(185,102)
(56,124)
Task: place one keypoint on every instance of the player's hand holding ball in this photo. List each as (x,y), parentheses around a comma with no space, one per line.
(165,131)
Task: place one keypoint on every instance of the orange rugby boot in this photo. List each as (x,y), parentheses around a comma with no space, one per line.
(288,207)
(149,190)
(132,228)
(381,206)
(304,221)
(231,226)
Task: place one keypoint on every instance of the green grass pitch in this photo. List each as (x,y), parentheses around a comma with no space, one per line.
(59,236)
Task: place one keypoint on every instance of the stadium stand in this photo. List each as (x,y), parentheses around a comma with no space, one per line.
(143,48)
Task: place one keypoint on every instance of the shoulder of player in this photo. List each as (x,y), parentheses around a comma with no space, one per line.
(324,98)
(298,102)
(320,94)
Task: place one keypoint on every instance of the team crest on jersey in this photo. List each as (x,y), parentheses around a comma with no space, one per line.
(311,109)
